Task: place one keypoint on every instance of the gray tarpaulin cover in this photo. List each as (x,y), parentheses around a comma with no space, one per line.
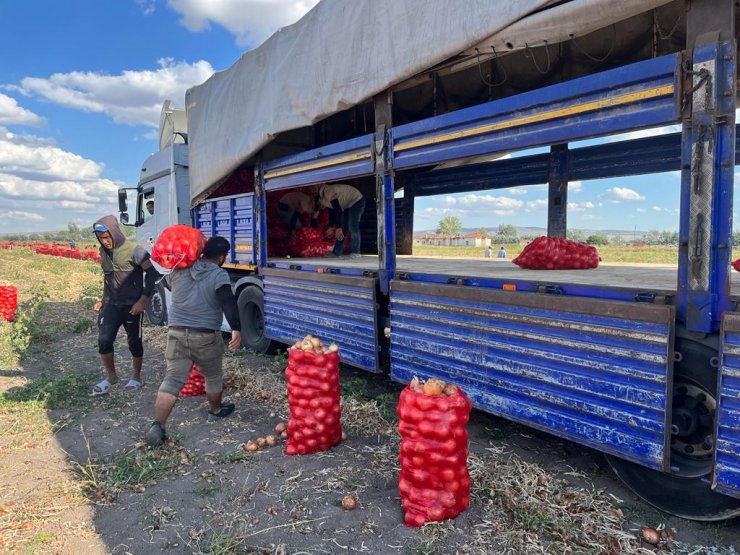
(344,52)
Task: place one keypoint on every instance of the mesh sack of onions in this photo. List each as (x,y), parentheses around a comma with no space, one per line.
(196,384)
(313,397)
(434,482)
(554,253)
(8,302)
(736,264)
(178,246)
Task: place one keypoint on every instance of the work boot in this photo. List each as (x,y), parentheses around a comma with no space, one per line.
(156,434)
(225,410)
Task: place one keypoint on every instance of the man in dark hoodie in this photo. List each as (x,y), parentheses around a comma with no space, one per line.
(201,297)
(125,294)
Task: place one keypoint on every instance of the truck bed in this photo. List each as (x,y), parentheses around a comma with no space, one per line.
(658,278)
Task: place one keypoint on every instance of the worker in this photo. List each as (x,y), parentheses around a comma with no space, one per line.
(201,297)
(150,207)
(488,252)
(347,205)
(128,282)
(292,205)
(501,252)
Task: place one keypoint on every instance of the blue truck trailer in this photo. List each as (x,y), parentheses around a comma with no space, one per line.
(640,363)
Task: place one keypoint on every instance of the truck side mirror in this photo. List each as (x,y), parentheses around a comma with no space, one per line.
(122,202)
(124,218)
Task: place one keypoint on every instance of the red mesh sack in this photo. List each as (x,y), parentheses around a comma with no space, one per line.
(178,246)
(736,264)
(313,399)
(434,482)
(8,302)
(196,384)
(554,253)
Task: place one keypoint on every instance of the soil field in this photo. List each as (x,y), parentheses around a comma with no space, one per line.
(78,478)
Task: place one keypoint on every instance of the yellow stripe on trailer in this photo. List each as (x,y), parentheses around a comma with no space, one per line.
(239,266)
(591,106)
(316,165)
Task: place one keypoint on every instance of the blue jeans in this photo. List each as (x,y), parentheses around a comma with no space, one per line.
(351,223)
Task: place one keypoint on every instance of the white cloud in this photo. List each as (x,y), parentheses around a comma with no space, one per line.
(534,205)
(132,98)
(250,21)
(488,204)
(40,178)
(619,194)
(12,114)
(575,186)
(20,215)
(147,6)
(580,206)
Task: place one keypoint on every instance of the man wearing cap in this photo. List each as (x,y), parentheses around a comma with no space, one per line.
(128,281)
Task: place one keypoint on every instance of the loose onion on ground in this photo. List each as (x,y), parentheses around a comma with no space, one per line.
(281,427)
(250,446)
(271,441)
(349,502)
(651,536)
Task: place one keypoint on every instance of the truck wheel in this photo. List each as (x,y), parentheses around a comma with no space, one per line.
(156,311)
(251,304)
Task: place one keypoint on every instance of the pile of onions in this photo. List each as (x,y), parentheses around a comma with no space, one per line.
(434,483)
(433,387)
(312,378)
(314,345)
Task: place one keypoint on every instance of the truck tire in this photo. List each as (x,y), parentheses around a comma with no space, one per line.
(251,304)
(156,310)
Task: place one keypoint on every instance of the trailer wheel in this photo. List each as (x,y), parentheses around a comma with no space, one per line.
(156,310)
(686,491)
(251,304)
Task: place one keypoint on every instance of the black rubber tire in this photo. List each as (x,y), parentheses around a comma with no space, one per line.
(156,310)
(689,497)
(251,304)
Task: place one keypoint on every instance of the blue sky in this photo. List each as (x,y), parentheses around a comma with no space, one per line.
(81,88)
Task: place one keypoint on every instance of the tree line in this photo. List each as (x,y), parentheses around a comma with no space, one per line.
(508,234)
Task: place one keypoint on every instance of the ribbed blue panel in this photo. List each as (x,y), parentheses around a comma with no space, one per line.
(596,372)
(727,446)
(232,218)
(345,160)
(333,308)
(635,96)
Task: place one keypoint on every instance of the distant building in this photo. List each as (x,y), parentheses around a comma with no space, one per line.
(473,239)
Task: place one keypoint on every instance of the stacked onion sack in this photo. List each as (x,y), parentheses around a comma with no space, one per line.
(178,246)
(313,397)
(8,302)
(434,482)
(553,253)
(196,384)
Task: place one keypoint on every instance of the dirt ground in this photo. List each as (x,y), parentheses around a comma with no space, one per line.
(87,483)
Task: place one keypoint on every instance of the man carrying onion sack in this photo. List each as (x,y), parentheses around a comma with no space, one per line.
(128,281)
(201,296)
(347,205)
(292,205)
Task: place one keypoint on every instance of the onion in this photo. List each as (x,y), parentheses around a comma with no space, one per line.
(450,389)
(333,348)
(651,536)
(250,446)
(344,435)
(261,442)
(349,502)
(271,441)
(433,386)
(316,342)
(284,434)
(281,427)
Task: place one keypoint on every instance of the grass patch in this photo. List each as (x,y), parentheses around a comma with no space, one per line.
(238,455)
(82,326)
(60,391)
(141,466)
(356,388)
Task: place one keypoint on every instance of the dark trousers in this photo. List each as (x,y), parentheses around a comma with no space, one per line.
(351,223)
(110,318)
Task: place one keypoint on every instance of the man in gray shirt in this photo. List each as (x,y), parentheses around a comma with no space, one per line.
(201,295)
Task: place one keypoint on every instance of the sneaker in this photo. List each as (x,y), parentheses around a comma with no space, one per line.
(225,410)
(355,255)
(156,434)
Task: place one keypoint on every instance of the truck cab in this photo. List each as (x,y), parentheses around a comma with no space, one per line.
(160,198)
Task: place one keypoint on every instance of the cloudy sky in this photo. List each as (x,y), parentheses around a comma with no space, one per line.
(82,84)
